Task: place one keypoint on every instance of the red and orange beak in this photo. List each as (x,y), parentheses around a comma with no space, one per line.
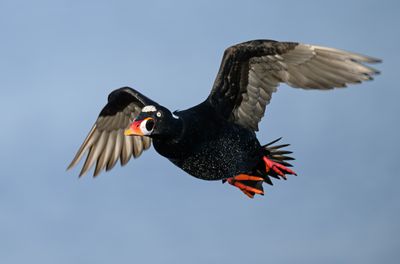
(135,129)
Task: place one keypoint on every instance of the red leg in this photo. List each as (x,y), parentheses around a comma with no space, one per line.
(277,168)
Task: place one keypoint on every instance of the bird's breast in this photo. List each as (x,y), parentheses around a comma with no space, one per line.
(212,153)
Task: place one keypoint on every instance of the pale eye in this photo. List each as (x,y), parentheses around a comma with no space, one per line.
(158,114)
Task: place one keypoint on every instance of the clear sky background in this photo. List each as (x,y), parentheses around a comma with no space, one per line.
(60,59)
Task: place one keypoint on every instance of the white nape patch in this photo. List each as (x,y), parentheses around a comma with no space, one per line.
(175,116)
(149,108)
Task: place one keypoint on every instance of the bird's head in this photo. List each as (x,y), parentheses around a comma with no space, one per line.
(152,121)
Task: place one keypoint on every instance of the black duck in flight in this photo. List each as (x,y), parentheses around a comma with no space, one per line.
(216,139)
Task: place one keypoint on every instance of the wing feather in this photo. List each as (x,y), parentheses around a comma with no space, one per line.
(90,139)
(106,142)
(106,153)
(127,150)
(94,152)
(116,153)
(251,71)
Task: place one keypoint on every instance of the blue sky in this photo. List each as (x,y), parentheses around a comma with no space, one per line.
(59,61)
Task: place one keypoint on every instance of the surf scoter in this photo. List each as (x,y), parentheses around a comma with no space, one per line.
(216,139)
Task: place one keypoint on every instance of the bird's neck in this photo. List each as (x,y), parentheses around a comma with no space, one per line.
(170,143)
(176,129)
(172,130)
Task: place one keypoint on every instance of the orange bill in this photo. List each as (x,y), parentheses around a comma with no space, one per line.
(134,129)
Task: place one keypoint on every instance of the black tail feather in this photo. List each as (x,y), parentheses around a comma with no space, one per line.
(276,154)
(266,178)
(272,142)
(276,147)
(283,152)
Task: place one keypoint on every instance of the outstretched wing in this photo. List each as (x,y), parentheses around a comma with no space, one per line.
(251,71)
(106,142)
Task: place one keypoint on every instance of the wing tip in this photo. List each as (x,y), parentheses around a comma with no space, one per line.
(365,59)
(70,166)
(82,173)
(374,60)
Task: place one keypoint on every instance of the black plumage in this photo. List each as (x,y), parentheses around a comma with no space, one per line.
(216,139)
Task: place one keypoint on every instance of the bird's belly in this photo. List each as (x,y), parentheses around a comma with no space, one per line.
(221,158)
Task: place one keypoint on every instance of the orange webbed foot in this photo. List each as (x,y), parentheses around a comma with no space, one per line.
(279,169)
(250,191)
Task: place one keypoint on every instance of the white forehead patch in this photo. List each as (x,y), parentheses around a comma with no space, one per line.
(149,108)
